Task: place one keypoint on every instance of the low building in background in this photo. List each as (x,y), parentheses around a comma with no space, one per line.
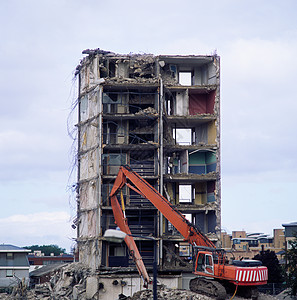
(42,267)
(290,233)
(43,274)
(38,259)
(246,245)
(14,265)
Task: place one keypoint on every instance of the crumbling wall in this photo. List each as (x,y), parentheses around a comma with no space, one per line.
(76,281)
(89,156)
(121,100)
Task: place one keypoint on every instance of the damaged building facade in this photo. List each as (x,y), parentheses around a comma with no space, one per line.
(161,116)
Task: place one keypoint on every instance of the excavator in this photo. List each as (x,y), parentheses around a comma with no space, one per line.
(215,273)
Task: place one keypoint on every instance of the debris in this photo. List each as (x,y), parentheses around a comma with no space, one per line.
(76,281)
(127,81)
(147,111)
(178,294)
(168,294)
(67,282)
(95,51)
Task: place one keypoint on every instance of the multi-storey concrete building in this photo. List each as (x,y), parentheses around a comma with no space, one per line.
(161,116)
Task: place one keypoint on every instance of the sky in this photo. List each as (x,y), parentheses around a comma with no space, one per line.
(41,45)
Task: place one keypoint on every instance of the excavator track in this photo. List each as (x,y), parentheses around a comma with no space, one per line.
(208,287)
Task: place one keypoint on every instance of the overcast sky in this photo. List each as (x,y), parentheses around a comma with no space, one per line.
(41,44)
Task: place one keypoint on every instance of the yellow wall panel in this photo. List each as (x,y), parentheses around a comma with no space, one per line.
(200,193)
(212,133)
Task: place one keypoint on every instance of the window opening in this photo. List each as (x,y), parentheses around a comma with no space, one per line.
(201,261)
(185,250)
(183,136)
(209,264)
(112,69)
(9,259)
(185,193)
(185,78)
(169,107)
(9,255)
(173,71)
(208,260)
(188,217)
(171,229)
(117,250)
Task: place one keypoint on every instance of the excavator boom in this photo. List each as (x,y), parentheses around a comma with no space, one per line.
(190,233)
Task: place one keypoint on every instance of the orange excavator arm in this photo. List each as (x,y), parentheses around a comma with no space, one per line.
(141,186)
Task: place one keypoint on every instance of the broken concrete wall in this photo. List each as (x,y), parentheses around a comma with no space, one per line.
(89,185)
(89,74)
(77,281)
(128,285)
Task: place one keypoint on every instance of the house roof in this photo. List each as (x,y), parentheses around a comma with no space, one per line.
(46,269)
(293,224)
(12,248)
(244,239)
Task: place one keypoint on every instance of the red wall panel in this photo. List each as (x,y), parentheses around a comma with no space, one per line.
(201,103)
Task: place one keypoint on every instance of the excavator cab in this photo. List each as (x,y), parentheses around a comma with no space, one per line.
(204,262)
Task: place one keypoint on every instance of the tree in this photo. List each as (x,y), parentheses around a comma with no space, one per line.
(269,259)
(291,266)
(46,249)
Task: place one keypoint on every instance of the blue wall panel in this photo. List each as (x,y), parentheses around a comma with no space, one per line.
(211,197)
(197,169)
(211,168)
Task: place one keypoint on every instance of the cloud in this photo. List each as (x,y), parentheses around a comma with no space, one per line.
(38,228)
(261,61)
(258,105)
(42,43)
(26,154)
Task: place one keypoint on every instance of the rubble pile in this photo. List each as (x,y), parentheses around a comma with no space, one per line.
(142,66)
(178,294)
(125,81)
(146,111)
(169,294)
(4,296)
(67,282)
(169,80)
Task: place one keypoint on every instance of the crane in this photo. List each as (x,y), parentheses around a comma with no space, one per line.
(214,272)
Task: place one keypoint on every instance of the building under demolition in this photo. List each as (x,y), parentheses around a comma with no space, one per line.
(161,116)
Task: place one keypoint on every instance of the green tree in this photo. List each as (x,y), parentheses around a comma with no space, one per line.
(46,249)
(269,260)
(291,266)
